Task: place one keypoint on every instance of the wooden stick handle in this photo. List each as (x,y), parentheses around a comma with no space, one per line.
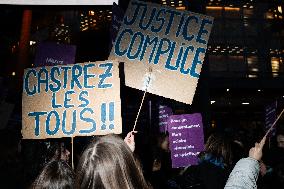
(72,153)
(148,83)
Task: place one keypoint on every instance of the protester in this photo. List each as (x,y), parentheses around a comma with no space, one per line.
(108,162)
(11,164)
(245,172)
(275,155)
(36,154)
(271,169)
(56,174)
(280,140)
(58,151)
(161,162)
(213,168)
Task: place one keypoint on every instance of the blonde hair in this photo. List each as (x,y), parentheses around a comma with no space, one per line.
(108,162)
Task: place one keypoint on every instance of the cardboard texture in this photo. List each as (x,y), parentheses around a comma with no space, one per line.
(169,42)
(52,54)
(186,139)
(71,100)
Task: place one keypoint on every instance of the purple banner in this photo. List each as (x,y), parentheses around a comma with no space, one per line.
(164,113)
(186,139)
(51,54)
(117,17)
(270,117)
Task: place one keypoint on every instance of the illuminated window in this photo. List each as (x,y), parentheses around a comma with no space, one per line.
(216,12)
(217,63)
(252,66)
(231,12)
(249,13)
(276,66)
(236,64)
(269,15)
(227,66)
(92,13)
(279,8)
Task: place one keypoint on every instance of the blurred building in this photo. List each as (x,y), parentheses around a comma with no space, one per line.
(246,60)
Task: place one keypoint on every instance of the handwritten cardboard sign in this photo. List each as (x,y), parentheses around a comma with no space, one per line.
(58,2)
(52,54)
(186,139)
(71,100)
(170,42)
(164,113)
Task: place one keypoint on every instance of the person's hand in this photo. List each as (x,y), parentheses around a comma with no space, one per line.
(256,151)
(129,140)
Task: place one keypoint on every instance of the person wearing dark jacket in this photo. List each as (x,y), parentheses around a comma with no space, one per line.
(213,168)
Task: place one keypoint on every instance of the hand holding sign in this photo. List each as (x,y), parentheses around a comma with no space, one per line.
(256,151)
(130,141)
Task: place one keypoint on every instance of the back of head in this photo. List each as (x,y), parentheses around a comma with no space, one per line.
(280,136)
(55,175)
(108,162)
(219,146)
(163,142)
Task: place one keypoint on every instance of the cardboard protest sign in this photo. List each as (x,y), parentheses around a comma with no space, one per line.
(186,139)
(52,54)
(58,2)
(71,100)
(164,113)
(170,42)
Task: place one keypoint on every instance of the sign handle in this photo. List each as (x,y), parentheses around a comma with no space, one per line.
(72,153)
(147,85)
(139,110)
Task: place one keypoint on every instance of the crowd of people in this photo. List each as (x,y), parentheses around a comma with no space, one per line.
(110,162)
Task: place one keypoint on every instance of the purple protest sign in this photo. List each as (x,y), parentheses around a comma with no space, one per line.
(51,54)
(270,117)
(186,139)
(164,113)
(117,17)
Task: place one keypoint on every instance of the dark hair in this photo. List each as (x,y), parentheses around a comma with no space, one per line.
(161,138)
(55,175)
(219,146)
(108,162)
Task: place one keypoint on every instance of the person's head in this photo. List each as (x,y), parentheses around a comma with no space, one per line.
(55,175)
(57,151)
(163,142)
(219,146)
(108,162)
(280,140)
